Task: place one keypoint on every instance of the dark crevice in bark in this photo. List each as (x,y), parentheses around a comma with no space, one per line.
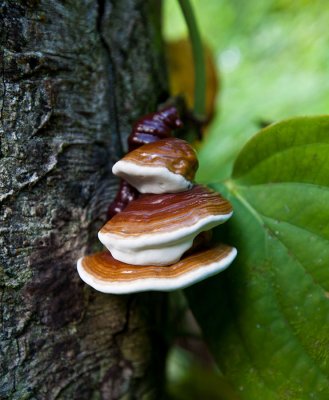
(4,86)
(113,109)
(125,325)
(2,293)
(3,91)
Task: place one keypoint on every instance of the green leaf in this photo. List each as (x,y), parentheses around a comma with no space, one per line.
(189,379)
(266,318)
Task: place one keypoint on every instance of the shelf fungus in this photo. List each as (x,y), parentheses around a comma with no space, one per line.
(108,275)
(157,229)
(165,166)
(160,240)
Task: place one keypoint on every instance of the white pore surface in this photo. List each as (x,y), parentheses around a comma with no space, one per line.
(157,248)
(149,179)
(157,282)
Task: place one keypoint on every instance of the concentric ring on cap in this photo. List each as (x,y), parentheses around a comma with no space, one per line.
(108,275)
(165,166)
(158,229)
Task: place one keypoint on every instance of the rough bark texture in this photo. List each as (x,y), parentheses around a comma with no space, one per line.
(74,75)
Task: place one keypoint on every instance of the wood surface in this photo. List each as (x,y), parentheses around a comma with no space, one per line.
(74,76)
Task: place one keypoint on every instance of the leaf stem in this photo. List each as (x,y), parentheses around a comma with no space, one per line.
(198,60)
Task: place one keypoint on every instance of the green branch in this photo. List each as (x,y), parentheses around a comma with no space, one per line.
(198,59)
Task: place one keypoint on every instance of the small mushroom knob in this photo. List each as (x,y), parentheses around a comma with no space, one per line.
(165,166)
(153,127)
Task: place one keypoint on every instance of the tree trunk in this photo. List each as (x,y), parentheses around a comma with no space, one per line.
(74,76)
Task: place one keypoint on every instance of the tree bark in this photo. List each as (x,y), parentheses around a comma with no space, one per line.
(74,75)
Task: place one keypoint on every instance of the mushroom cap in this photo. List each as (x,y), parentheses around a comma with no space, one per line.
(108,275)
(158,229)
(165,166)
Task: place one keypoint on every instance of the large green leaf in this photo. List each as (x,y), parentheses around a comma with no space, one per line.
(266,318)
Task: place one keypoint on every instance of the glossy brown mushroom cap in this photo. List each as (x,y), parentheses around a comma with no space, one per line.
(106,274)
(165,166)
(158,229)
(154,126)
(163,213)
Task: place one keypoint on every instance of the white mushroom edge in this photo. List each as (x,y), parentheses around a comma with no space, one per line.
(151,179)
(157,283)
(160,249)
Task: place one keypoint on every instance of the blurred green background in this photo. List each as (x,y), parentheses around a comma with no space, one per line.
(273,61)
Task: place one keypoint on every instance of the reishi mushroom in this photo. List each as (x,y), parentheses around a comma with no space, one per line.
(158,229)
(155,241)
(148,129)
(165,166)
(154,126)
(108,275)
